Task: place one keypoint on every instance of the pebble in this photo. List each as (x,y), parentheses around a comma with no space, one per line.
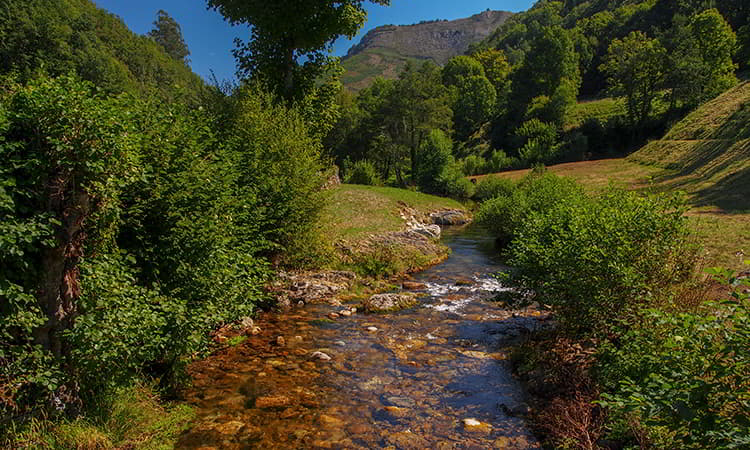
(298,338)
(345,313)
(475,426)
(321,356)
(255,331)
(272,402)
(372,329)
(333,315)
(280,341)
(340,343)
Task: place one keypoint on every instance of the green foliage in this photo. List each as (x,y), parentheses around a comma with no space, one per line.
(67,153)
(475,104)
(700,58)
(685,373)
(461,67)
(600,260)
(636,70)
(284,32)
(540,141)
(168,33)
(491,187)
(364,173)
(63,36)
(434,157)
(501,161)
(504,215)
(473,165)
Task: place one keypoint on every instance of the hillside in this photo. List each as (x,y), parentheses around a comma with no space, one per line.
(63,36)
(385,50)
(706,155)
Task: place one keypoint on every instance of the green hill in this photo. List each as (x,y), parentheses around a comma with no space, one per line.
(708,153)
(64,36)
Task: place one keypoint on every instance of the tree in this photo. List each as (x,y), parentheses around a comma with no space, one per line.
(496,69)
(474,106)
(286,32)
(168,33)
(461,67)
(418,104)
(635,67)
(551,63)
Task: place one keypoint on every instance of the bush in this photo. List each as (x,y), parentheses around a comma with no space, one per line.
(364,172)
(500,161)
(435,155)
(540,141)
(452,183)
(473,165)
(600,261)
(491,186)
(537,192)
(680,380)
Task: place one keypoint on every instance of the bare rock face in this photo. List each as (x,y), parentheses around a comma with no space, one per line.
(384,50)
(389,302)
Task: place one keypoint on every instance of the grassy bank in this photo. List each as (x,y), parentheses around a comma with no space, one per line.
(355,211)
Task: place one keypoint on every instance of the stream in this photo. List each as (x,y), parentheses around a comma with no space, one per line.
(433,376)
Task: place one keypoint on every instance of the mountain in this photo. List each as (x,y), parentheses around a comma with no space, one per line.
(385,50)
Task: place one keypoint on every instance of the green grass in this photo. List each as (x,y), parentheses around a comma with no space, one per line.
(601,109)
(707,156)
(132,418)
(354,211)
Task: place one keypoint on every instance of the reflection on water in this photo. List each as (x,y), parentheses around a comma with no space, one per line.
(410,384)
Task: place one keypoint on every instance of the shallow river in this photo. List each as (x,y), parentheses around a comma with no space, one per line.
(434,376)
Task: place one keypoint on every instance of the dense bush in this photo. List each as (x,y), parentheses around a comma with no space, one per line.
(538,192)
(490,187)
(679,380)
(158,218)
(473,165)
(599,261)
(364,172)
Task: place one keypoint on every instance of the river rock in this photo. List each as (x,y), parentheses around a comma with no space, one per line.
(407,440)
(320,356)
(273,402)
(428,231)
(397,412)
(389,302)
(450,217)
(230,428)
(475,426)
(412,286)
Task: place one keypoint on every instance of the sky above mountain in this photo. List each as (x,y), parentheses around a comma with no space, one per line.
(210,38)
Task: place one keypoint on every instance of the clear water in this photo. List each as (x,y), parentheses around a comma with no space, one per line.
(409,385)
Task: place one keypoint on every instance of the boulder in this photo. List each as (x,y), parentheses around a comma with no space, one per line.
(389,302)
(450,217)
(428,231)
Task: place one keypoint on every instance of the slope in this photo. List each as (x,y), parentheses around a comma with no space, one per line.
(63,36)
(385,50)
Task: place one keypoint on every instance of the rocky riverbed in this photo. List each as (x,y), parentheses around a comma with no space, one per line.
(431,375)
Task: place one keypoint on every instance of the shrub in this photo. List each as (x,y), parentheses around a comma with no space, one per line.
(500,161)
(473,165)
(540,141)
(364,172)
(452,183)
(537,192)
(680,380)
(492,186)
(599,261)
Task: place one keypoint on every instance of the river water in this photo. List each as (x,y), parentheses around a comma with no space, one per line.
(433,376)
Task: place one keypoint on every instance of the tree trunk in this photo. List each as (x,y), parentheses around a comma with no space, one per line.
(59,287)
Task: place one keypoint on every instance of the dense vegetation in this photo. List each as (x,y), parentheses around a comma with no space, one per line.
(140,207)
(511,102)
(618,268)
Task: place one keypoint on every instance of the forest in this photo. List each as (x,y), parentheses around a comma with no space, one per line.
(142,207)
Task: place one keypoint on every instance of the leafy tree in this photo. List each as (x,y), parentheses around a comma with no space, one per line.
(475,104)
(461,67)
(67,153)
(700,51)
(636,69)
(496,69)
(550,65)
(287,31)
(168,33)
(418,104)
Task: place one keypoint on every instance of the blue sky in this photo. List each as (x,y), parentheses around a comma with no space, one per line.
(210,39)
